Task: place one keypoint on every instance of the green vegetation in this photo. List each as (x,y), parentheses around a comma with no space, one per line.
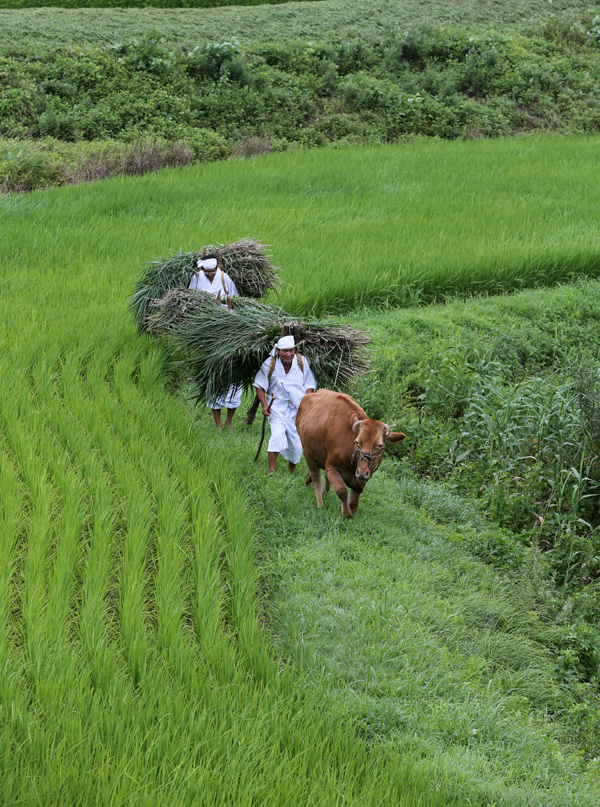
(501,397)
(109,4)
(386,225)
(202,100)
(369,19)
(434,655)
(134,666)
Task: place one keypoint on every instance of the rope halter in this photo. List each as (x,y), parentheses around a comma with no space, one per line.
(375,456)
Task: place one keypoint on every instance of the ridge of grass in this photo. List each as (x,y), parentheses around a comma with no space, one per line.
(431,655)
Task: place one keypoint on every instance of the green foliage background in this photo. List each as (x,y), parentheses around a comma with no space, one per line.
(217,99)
(174,627)
(294,20)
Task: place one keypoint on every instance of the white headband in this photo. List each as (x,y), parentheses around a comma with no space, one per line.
(285,343)
(207,263)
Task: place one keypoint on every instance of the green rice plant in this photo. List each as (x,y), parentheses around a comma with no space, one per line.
(202,635)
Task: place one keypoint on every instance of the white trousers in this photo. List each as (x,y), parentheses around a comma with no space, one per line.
(232,399)
(284,437)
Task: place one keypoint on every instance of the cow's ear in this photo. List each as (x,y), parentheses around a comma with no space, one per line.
(395,437)
(356,426)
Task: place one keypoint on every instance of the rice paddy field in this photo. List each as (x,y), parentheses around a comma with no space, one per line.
(389,225)
(144,658)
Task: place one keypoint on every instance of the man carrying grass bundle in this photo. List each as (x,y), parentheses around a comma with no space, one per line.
(221,285)
(284,378)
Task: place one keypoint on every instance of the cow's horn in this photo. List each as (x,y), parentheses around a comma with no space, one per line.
(355,425)
(386,430)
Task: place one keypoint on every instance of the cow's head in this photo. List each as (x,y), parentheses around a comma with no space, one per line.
(370,437)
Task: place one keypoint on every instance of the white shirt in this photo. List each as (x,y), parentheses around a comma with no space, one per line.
(200,282)
(288,388)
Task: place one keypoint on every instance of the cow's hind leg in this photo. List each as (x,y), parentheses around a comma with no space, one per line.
(337,483)
(315,475)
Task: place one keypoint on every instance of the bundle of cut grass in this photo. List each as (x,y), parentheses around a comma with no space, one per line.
(177,304)
(225,346)
(245,261)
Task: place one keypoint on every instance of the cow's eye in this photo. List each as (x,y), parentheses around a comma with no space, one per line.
(380,445)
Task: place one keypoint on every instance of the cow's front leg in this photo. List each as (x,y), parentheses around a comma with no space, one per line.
(353,501)
(315,475)
(337,483)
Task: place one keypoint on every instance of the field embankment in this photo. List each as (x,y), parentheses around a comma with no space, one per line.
(87,111)
(136,663)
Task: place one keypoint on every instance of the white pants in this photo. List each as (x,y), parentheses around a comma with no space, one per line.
(284,437)
(232,399)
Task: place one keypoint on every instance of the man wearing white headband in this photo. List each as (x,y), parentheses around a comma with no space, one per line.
(284,379)
(214,280)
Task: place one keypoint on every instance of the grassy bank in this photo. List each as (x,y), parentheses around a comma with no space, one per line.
(433,655)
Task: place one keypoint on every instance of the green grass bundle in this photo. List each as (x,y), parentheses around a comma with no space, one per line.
(220,346)
(178,304)
(245,261)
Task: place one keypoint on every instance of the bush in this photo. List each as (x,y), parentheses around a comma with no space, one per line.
(26,166)
(207,146)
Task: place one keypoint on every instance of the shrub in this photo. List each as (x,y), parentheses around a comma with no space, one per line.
(207,146)
(251,147)
(427,81)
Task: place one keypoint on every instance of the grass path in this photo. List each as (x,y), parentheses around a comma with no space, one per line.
(432,655)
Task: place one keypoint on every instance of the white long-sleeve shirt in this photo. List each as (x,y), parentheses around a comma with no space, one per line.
(221,282)
(288,388)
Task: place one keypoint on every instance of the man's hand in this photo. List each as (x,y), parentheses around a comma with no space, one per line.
(266,410)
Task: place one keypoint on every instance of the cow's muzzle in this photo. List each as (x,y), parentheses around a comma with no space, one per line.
(373,460)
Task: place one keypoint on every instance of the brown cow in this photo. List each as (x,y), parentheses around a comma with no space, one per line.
(338,436)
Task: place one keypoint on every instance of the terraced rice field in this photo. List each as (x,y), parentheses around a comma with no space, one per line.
(134,659)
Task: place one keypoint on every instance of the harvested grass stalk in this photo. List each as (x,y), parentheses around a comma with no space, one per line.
(220,347)
(245,261)
(175,305)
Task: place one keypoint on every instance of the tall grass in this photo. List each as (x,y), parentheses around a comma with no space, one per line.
(389,225)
